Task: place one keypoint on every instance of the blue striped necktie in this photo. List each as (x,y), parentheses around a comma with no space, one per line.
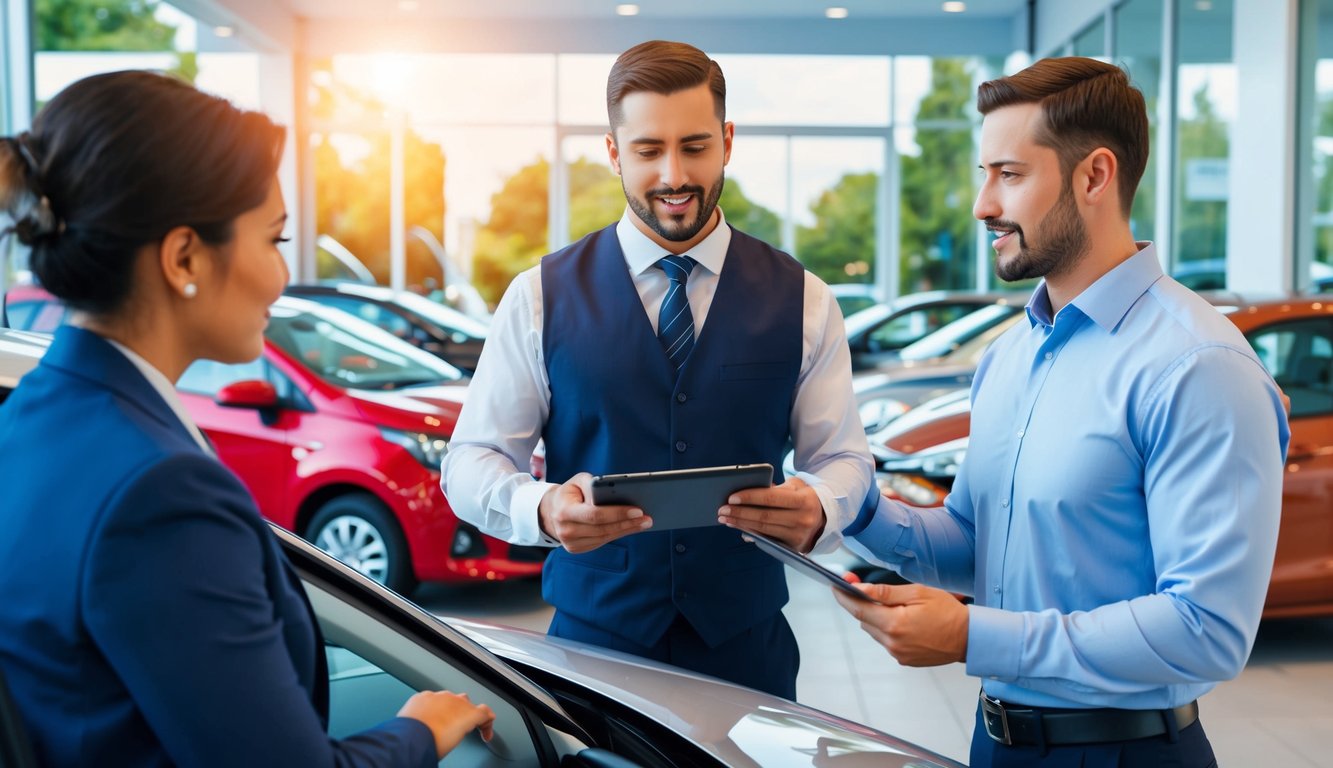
(675,324)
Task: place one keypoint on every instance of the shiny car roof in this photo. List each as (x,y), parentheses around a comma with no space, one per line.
(735,725)
(739,726)
(20,351)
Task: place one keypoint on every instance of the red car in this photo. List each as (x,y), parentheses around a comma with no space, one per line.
(338,430)
(1294,339)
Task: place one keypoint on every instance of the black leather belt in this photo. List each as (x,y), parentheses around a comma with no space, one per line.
(1012,724)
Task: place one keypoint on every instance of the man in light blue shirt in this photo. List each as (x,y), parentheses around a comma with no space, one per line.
(1117,513)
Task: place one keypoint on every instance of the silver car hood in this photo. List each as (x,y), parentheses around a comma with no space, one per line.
(739,726)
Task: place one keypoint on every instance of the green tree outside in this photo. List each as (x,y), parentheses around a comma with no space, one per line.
(840,248)
(937,238)
(100,25)
(109,26)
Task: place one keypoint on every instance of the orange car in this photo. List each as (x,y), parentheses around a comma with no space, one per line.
(1294,339)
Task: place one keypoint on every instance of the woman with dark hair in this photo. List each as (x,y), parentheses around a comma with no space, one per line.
(147,615)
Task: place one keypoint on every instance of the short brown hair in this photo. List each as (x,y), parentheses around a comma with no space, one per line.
(1087,104)
(661,66)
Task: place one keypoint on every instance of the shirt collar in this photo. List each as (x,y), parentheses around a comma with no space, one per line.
(162,385)
(641,253)
(1108,299)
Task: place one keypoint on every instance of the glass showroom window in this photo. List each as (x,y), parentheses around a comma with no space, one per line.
(789,181)
(73,39)
(1205,110)
(809,159)
(1316,241)
(1091,41)
(1138,48)
(936,115)
(474,169)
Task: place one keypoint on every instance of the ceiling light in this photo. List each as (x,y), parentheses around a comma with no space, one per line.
(223,31)
(836,12)
(408,5)
(1203,5)
(954,6)
(627,9)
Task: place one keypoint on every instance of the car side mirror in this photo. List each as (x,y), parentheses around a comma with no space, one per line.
(254,394)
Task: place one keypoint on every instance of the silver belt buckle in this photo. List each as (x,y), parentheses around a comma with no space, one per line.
(995,719)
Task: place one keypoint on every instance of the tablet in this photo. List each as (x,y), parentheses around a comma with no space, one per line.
(806,565)
(680,498)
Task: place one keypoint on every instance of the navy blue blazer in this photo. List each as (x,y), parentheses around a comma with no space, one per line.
(147,615)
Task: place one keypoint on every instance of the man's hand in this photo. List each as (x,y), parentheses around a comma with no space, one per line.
(790,513)
(919,626)
(567,514)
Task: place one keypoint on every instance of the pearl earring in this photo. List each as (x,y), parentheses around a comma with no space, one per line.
(190,290)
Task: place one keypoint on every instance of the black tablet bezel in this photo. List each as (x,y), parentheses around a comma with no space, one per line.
(807,566)
(680,498)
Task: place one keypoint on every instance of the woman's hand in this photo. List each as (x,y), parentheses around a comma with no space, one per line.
(449,716)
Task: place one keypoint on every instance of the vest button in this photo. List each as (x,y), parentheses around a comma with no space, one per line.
(681,595)
(681,446)
(680,397)
(680,548)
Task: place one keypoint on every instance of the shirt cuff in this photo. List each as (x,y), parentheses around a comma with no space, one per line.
(994,642)
(832,505)
(867,513)
(524,518)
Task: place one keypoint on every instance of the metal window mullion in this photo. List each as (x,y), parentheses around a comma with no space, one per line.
(1167,140)
(888,212)
(18,63)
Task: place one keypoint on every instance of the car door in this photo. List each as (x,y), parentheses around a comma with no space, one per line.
(1299,354)
(381,649)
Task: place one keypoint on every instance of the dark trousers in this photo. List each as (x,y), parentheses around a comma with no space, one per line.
(764,656)
(1189,750)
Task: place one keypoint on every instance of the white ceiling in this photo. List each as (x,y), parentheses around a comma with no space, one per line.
(380,10)
(872,27)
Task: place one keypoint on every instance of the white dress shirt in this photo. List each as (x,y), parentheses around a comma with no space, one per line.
(485,475)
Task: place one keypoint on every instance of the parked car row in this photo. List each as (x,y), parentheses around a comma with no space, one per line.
(920,452)
(338,430)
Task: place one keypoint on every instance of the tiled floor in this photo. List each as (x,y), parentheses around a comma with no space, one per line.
(1279,712)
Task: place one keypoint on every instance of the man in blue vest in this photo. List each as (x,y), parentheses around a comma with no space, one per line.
(668,340)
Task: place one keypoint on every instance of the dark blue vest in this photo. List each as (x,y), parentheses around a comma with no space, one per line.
(616,406)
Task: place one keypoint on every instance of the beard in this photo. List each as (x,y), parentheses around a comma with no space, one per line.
(676,229)
(1060,241)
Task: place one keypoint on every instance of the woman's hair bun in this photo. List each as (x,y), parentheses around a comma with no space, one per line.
(29,210)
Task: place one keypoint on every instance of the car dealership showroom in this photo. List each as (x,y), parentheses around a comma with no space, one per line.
(413,449)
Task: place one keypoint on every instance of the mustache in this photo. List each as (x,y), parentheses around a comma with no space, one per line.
(688,189)
(994,224)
